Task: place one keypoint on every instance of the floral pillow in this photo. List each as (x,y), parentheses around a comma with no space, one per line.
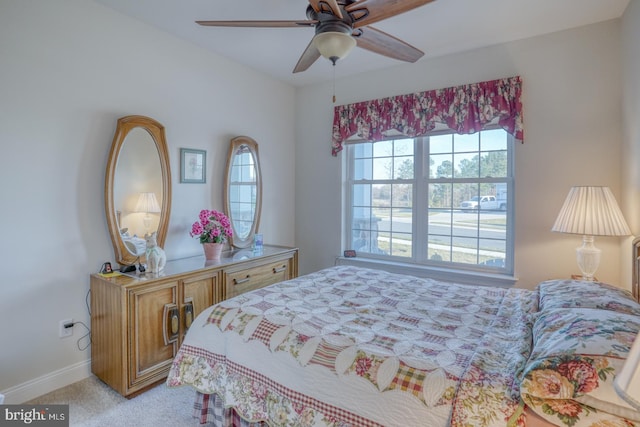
(569,377)
(577,293)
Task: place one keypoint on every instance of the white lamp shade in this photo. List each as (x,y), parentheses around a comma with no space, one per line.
(591,211)
(148,203)
(334,45)
(627,381)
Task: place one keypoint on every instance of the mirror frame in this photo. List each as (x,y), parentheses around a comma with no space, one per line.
(156,131)
(236,143)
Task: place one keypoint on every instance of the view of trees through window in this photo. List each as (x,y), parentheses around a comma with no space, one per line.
(437,199)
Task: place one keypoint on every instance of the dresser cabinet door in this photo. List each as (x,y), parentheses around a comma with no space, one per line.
(154,328)
(198,293)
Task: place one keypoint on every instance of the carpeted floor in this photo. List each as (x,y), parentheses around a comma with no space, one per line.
(94,404)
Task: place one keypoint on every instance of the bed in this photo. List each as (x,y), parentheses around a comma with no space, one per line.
(349,346)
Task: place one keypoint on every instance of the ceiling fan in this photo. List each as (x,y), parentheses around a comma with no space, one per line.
(340,25)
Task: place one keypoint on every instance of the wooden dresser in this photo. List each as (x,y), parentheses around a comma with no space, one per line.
(139,321)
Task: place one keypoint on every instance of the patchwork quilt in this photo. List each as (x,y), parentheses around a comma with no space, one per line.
(352,346)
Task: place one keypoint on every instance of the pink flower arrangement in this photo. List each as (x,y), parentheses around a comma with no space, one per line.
(213,227)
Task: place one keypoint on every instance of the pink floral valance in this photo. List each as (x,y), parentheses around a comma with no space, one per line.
(465,109)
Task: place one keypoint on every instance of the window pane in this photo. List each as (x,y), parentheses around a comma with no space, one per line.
(382,195)
(403,167)
(363,150)
(466,196)
(403,147)
(440,195)
(382,168)
(493,140)
(400,245)
(383,149)
(493,164)
(440,166)
(462,143)
(362,169)
(466,165)
(402,196)
(441,144)
(465,250)
(361,196)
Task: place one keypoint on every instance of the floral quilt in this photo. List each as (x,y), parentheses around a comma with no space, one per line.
(348,346)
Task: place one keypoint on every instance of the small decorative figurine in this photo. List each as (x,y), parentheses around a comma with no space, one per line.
(156,258)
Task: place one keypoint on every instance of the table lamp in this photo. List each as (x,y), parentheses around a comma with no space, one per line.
(147,203)
(590,211)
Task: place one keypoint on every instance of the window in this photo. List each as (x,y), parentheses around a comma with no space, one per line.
(444,199)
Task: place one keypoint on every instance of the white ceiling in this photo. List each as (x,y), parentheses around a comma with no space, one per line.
(438,28)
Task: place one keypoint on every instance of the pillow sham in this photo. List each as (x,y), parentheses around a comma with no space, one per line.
(569,377)
(581,294)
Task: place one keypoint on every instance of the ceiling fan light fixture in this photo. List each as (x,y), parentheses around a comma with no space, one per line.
(334,45)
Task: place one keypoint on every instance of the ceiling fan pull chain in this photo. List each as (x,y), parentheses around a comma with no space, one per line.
(334,82)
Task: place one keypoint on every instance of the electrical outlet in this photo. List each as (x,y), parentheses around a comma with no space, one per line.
(65,332)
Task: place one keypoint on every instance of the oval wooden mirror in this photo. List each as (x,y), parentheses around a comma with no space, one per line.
(137,187)
(243,190)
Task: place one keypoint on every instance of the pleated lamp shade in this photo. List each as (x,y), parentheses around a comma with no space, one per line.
(148,203)
(591,211)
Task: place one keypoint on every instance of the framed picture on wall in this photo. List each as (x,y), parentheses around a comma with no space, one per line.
(193,166)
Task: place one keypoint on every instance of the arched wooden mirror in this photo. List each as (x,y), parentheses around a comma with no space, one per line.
(243,190)
(137,187)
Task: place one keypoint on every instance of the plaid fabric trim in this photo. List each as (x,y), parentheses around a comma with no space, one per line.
(408,379)
(209,410)
(217,314)
(326,354)
(384,342)
(410,320)
(341,416)
(264,331)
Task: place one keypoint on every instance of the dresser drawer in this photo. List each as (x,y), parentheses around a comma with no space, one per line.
(249,279)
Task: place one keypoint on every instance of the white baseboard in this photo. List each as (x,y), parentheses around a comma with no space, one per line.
(37,387)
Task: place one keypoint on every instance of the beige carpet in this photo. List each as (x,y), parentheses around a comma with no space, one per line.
(94,404)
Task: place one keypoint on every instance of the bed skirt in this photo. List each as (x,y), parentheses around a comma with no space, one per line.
(210,412)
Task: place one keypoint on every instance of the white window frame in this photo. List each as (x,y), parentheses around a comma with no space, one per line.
(419,263)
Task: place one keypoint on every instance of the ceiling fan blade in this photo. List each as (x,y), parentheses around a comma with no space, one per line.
(260,24)
(325,6)
(366,12)
(309,56)
(384,44)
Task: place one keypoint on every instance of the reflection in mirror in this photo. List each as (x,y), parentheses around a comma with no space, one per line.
(243,190)
(137,180)
(137,187)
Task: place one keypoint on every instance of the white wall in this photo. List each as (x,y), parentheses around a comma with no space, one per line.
(68,70)
(572,119)
(631,122)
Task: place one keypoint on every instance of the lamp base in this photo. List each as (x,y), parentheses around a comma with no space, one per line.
(588,258)
(146,222)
